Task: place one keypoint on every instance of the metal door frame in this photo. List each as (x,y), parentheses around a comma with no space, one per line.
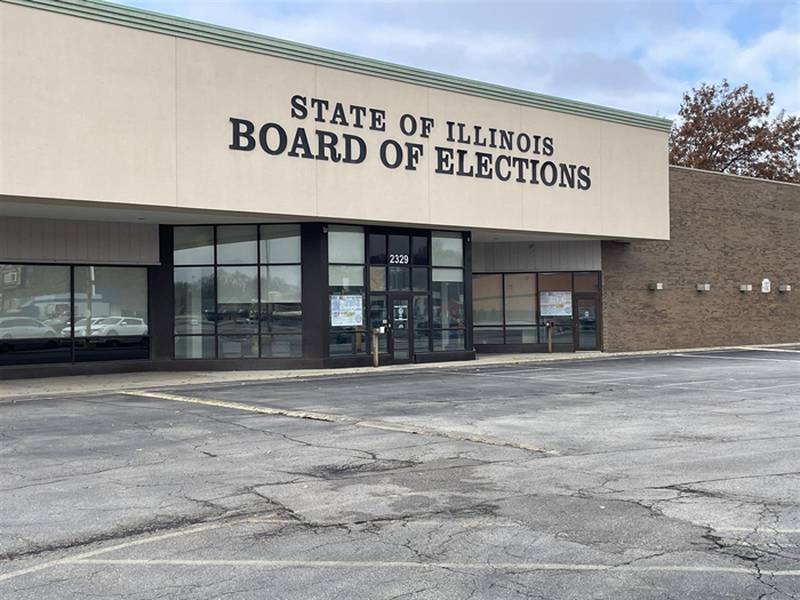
(576,324)
(408,297)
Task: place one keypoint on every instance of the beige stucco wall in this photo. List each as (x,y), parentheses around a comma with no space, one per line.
(102,113)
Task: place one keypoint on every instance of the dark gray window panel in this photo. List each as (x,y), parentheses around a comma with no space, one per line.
(194,300)
(281,346)
(280,244)
(448,339)
(237,244)
(193,245)
(195,346)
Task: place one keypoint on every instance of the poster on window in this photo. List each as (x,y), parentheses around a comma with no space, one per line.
(555,304)
(347,310)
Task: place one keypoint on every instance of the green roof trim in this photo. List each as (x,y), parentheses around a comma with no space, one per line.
(137,18)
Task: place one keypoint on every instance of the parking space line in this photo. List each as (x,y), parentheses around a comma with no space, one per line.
(682,383)
(532,369)
(764,530)
(619,381)
(769,387)
(395,564)
(732,357)
(754,349)
(549,377)
(460,436)
(138,542)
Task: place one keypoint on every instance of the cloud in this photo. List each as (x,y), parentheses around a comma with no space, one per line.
(639,56)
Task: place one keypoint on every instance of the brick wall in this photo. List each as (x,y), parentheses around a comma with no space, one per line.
(724,231)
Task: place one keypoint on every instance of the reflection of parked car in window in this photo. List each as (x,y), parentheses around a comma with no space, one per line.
(24,327)
(57,319)
(283,320)
(80,327)
(118,326)
(194,324)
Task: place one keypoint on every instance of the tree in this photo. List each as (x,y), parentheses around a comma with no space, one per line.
(729,130)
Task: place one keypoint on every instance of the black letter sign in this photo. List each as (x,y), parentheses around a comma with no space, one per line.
(238,134)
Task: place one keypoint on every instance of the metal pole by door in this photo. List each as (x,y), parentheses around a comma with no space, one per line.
(375,349)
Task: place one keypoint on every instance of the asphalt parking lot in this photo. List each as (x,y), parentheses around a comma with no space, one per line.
(674,476)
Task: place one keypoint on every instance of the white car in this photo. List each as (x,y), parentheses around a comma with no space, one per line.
(117,326)
(80,327)
(24,327)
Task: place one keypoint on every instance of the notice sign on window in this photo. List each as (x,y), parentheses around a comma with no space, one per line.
(555,304)
(347,310)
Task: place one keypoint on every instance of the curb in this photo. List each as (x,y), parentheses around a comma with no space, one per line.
(119,382)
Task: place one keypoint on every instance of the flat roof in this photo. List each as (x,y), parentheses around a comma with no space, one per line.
(252,42)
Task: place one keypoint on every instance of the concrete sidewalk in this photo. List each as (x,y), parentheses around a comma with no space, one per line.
(22,388)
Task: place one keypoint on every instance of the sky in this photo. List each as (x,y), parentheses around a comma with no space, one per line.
(634,55)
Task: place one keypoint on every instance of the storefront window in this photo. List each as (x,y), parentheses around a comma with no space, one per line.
(281,346)
(377,279)
(110,305)
(281,318)
(522,335)
(35,314)
(377,249)
(487,335)
(237,300)
(281,314)
(555,302)
(345,245)
(346,276)
(487,300)
(399,245)
(448,298)
(399,279)
(530,301)
(520,308)
(587,282)
(194,346)
(403,271)
(346,289)
(421,320)
(447,291)
(281,284)
(237,346)
(448,249)
(452,339)
(54,313)
(419,279)
(555,282)
(237,245)
(419,250)
(247,303)
(194,245)
(194,300)
(280,244)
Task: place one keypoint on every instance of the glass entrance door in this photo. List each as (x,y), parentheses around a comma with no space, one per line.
(586,323)
(401,329)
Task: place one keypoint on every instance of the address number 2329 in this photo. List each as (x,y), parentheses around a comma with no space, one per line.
(398,259)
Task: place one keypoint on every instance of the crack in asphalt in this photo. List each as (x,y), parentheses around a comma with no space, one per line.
(346,420)
(419,511)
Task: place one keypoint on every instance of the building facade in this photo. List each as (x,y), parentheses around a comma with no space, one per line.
(176,195)
(734,234)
